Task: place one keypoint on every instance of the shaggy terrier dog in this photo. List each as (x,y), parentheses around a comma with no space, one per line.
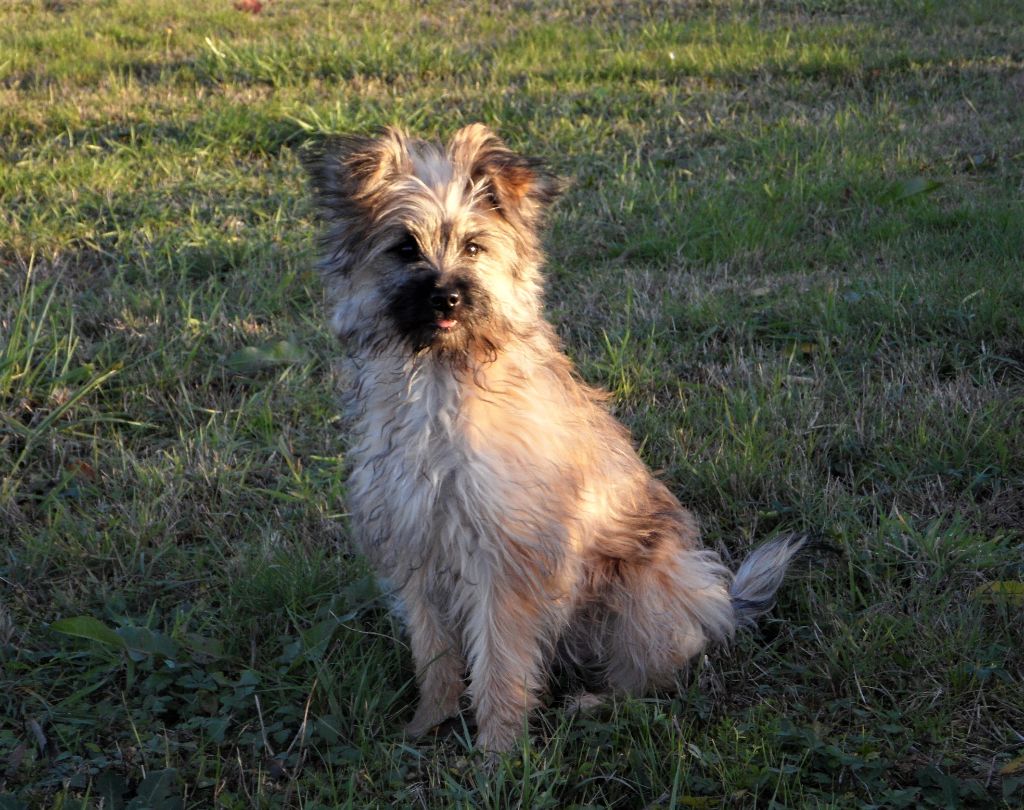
(489,485)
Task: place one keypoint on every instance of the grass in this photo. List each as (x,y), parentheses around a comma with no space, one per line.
(792,250)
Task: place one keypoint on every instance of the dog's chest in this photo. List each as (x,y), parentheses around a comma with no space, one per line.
(458,475)
(409,463)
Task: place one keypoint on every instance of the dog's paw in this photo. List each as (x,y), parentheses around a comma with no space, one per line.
(584,702)
(427,719)
(490,762)
(418,727)
(497,739)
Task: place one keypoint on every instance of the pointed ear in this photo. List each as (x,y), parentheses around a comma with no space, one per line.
(519,188)
(349,176)
(347,172)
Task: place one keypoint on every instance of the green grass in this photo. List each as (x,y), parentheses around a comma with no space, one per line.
(792,249)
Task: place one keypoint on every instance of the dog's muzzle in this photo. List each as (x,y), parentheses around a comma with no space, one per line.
(446,301)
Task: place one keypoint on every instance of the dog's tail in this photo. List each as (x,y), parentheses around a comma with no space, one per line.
(759,576)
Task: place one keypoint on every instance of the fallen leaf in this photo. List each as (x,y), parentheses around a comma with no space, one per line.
(256,358)
(1015,765)
(1002,592)
(14,759)
(911,187)
(82,469)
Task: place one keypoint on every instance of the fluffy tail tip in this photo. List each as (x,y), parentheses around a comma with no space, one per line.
(760,575)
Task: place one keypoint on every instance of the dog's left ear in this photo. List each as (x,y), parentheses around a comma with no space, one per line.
(518,188)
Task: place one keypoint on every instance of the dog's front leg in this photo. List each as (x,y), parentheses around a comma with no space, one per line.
(504,631)
(440,669)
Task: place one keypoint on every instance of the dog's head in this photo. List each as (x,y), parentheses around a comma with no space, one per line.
(431,248)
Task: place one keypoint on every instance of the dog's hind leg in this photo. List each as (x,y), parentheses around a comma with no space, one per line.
(663,613)
(440,668)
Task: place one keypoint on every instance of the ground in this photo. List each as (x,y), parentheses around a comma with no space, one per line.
(791,248)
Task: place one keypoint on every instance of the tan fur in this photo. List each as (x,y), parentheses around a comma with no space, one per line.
(489,485)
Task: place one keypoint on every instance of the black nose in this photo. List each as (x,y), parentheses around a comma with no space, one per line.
(445,298)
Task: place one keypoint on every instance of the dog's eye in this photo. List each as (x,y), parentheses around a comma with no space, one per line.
(472,249)
(408,249)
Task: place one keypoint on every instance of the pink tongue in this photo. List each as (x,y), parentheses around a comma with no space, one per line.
(444,323)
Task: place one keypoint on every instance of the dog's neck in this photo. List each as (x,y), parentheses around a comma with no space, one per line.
(435,387)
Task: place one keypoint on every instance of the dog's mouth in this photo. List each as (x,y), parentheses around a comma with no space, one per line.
(443,316)
(448,304)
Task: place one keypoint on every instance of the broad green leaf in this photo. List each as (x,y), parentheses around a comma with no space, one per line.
(159,791)
(147,641)
(204,649)
(248,678)
(111,787)
(90,628)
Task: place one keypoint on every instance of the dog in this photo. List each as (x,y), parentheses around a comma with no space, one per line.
(489,485)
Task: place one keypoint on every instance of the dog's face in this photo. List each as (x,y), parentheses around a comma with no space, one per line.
(431,248)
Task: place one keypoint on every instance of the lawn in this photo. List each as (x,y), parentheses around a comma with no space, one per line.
(792,248)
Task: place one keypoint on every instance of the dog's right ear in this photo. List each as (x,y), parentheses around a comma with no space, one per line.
(331,181)
(347,172)
(348,176)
